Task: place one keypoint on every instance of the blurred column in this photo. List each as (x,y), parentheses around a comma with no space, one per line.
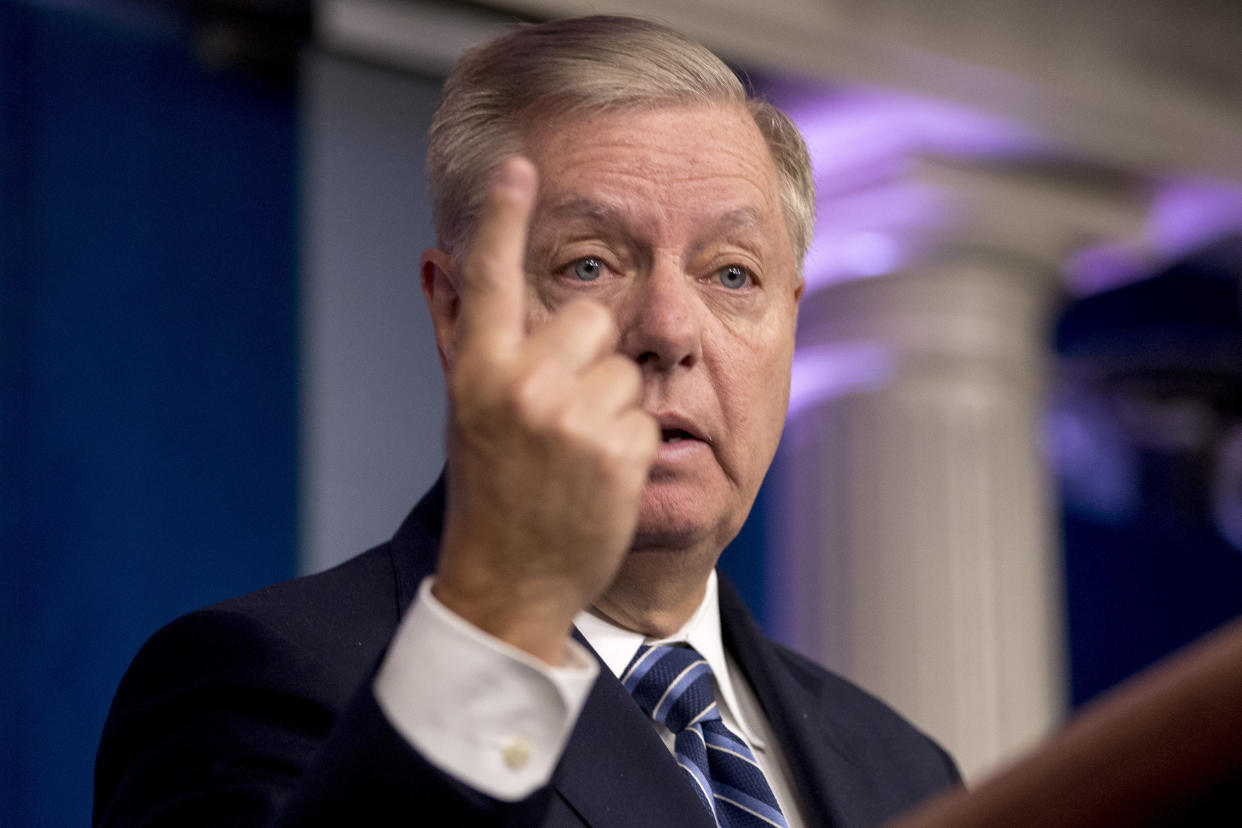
(917,524)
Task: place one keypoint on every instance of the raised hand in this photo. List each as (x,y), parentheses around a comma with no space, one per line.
(548,449)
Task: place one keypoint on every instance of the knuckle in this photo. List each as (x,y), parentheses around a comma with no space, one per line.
(522,397)
(569,426)
(614,455)
(636,439)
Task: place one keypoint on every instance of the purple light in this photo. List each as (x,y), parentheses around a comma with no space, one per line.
(1098,472)
(825,371)
(1105,266)
(870,254)
(1189,213)
(874,231)
(1184,215)
(851,254)
(842,132)
(872,213)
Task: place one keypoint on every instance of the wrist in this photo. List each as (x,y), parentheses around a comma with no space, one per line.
(536,625)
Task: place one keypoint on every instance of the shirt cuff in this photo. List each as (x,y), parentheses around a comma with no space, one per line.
(483,711)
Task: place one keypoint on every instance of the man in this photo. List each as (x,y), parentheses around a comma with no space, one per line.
(614,298)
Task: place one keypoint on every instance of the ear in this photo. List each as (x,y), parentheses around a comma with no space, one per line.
(439,279)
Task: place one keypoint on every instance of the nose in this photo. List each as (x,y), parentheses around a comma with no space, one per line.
(662,321)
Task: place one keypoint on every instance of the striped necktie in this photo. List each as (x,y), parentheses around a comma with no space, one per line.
(673,685)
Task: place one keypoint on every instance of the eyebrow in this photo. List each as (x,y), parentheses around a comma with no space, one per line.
(591,209)
(617,215)
(740,218)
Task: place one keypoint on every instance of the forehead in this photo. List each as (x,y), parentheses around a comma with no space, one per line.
(666,168)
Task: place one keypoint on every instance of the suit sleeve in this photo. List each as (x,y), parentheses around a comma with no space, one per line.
(221,721)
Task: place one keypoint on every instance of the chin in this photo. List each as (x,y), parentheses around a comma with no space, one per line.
(666,537)
(669,521)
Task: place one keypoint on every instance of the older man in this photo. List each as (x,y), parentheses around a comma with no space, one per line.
(544,641)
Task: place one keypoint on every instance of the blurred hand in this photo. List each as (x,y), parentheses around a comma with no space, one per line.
(548,448)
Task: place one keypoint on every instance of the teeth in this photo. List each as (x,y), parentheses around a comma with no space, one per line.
(673,438)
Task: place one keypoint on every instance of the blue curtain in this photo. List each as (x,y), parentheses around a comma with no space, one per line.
(147,366)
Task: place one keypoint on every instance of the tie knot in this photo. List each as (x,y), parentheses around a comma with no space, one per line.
(673,685)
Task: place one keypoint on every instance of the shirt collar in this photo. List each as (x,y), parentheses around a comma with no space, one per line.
(616,647)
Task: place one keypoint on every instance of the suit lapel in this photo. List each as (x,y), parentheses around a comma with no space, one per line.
(823,774)
(416,546)
(616,771)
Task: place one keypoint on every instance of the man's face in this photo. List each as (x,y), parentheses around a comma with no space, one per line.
(671,218)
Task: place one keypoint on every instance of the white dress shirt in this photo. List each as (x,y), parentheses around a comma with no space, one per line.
(497,718)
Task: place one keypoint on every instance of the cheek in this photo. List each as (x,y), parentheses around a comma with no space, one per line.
(756,357)
(761,384)
(752,381)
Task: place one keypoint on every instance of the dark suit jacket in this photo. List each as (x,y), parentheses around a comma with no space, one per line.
(260,711)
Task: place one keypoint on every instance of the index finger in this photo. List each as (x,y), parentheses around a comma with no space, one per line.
(492,315)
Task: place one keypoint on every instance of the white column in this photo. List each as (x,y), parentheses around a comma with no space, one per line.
(920,557)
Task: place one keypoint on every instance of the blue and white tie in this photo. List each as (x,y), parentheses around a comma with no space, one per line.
(673,685)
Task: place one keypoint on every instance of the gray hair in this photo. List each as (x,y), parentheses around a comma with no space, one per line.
(595,64)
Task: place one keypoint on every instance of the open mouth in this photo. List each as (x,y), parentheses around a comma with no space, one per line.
(679,428)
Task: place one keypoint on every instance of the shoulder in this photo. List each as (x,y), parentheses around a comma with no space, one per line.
(878,758)
(318,635)
(329,607)
(271,668)
(868,729)
(872,716)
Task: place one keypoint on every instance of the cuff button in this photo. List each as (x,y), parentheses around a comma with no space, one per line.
(516,753)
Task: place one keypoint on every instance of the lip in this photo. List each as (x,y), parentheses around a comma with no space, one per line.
(676,421)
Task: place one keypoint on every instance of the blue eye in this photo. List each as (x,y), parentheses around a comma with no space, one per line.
(734,277)
(588,269)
